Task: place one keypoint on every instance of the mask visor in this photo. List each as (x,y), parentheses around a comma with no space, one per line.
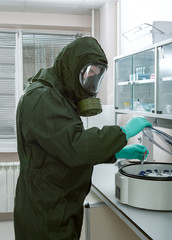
(91,76)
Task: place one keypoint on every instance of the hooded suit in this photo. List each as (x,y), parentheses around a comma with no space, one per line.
(56,153)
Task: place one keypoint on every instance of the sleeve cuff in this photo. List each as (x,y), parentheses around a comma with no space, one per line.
(123,129)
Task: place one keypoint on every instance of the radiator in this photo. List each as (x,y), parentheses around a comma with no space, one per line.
(9,172)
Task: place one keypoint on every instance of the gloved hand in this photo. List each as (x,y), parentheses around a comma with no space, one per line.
(134,126)
(134,151)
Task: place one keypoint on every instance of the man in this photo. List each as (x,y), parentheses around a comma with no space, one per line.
(56,153)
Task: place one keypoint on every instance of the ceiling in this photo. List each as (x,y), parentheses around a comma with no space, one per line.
(53,6)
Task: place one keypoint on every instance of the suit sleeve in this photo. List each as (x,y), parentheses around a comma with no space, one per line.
(60,132)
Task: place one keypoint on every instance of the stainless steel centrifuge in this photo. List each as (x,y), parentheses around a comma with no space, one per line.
(148,185)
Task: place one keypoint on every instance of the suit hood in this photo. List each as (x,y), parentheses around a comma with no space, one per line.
(64,75)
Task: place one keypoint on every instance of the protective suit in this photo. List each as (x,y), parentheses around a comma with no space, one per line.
(56,153)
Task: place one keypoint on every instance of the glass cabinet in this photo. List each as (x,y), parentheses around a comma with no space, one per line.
(143,81)
(164,87)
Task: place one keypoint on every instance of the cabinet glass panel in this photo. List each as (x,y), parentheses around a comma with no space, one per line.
(135,81)
(123,69)
(144,80)
(124,97)
(164,99)
(123,73)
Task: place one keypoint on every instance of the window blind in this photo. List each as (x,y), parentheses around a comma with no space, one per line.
(7,85)
(40,50)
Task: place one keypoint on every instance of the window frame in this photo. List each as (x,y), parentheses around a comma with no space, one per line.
(10,145)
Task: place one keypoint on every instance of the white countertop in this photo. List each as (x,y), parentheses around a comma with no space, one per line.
(156,225)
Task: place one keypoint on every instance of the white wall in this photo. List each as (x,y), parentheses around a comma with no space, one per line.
(42,21)
(136,12)
(45,21)
(133,13)
(104,32)
(108,40)
(7,230)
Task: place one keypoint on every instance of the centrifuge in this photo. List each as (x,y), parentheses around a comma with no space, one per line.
(148,185)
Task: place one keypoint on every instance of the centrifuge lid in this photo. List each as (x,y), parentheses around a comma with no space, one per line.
(148,171)
(159,138)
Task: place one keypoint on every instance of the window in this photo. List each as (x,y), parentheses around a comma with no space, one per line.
(40,50)
(7,85)
(22,54)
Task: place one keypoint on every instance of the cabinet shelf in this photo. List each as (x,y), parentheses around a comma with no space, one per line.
(142,113)
(125,83)
(166,79)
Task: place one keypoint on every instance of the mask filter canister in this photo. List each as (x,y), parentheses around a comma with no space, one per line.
(89,106)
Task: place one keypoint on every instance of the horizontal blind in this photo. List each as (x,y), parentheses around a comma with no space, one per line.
(7,85)
(40,50)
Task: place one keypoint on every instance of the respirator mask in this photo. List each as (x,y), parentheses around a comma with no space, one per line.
(90,79)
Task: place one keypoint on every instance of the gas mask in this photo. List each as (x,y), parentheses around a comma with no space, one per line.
(90,79)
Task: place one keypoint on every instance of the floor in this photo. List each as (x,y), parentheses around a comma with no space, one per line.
(7,231)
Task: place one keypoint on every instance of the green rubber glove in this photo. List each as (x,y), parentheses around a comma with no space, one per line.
(134,126)
(134,151)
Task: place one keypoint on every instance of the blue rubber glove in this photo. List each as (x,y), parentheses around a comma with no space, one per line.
(134,126)
(134,151)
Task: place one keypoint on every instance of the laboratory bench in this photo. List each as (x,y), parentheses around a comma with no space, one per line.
(146,224)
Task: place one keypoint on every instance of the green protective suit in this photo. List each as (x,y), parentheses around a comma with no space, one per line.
(56,153)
